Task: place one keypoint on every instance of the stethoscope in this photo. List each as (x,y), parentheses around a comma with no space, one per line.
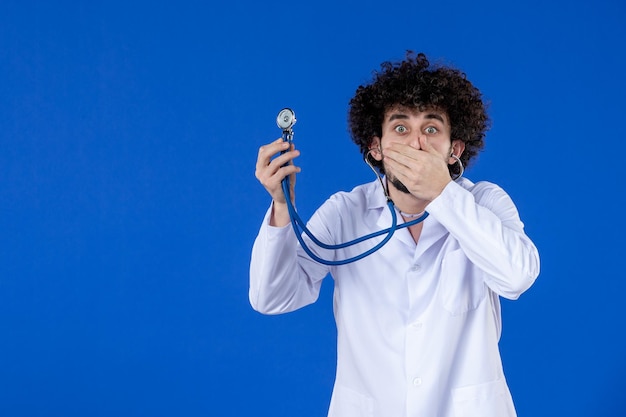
(285,120)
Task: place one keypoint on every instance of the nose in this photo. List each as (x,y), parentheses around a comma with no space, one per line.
(414,140)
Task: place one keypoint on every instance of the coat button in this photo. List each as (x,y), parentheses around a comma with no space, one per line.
(417,382)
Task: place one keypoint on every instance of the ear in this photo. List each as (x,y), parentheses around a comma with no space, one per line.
(375,149)
(457,148)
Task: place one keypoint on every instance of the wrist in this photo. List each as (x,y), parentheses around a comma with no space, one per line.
(280,214)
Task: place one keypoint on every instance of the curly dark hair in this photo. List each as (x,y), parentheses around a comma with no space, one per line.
(415,83)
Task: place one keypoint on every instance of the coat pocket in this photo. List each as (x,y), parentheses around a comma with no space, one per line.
(462,287)
(491,399)
(348,403)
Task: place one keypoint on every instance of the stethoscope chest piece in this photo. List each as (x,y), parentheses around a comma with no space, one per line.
(286,119)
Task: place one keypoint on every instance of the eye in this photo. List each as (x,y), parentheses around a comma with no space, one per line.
(431,130)
(400,129)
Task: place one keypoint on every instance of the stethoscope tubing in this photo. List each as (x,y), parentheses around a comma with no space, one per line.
(299,227)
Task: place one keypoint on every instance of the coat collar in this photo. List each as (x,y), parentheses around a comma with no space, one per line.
(432,230)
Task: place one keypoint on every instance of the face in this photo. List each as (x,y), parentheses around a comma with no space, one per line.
(406,126)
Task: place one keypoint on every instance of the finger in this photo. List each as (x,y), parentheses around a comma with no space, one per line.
(284,159)
(287,171)
(272,173)
(266,152)
(402,171)
(271,149)
(402,154)
(274,184)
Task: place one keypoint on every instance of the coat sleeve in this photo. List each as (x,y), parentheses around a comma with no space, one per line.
(282,277)
(486,224)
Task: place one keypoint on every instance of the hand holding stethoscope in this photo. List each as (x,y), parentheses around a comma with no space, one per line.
(272,172)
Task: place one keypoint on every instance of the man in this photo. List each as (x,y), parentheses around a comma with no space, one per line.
(418,321)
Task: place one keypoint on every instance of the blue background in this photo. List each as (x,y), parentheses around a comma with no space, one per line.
(128,203)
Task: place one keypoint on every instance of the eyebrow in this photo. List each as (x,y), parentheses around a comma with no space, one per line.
(398,116)
(435,116)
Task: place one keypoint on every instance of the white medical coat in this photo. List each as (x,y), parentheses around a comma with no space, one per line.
(418,325)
